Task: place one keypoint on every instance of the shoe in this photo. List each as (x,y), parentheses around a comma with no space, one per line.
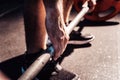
(78,38)
(76,77)
(65,75)
(57,69)
(28,59)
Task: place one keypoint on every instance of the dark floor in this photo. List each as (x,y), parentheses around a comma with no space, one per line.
(98,60)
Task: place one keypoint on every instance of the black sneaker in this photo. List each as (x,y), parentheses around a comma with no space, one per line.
(29,58)
(65,75)
(78,38)
(76,77)
(57,69)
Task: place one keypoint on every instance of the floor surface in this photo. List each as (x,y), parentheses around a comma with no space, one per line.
(98,60)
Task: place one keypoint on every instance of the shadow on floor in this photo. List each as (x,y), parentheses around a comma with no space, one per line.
(12,67)
(100,24)
(89,23)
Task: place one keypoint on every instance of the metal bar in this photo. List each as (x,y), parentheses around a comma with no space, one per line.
(77,19)
(40,62)
(36,67)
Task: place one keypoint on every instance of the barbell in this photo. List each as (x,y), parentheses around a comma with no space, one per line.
(104,9)
(42,60)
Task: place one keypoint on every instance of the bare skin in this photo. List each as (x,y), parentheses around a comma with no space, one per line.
(35,29)
(55,25)
(35,26)
(47,16)
(3,76)
(67,5)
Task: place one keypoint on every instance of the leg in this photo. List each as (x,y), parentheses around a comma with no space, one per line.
(3,76)
(67,5)
(34,20)
(75,35)
(55,25)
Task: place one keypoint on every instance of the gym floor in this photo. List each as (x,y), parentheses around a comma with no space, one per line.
(97,60)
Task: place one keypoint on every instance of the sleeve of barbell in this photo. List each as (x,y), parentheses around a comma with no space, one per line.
(41,61)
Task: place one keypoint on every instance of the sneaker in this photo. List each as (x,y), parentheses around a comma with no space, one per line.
(78,38)
(65,75)
(76,77)
(28,59)
(58,68)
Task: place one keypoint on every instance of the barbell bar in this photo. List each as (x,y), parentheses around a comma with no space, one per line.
(42,60)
